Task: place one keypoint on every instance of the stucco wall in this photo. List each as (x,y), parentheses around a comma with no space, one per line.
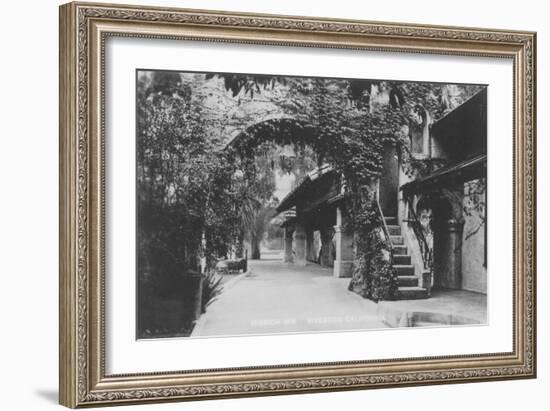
(474,272)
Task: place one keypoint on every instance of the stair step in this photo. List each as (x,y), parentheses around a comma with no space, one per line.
(394,229)
(401,259)
(411,293)
(397,239)
(407,281)
(400,250)
(404,269)
(391,220)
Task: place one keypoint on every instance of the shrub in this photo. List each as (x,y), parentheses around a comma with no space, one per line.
(211,288)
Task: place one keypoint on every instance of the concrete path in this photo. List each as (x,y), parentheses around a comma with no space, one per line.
(277,297)
(444,307)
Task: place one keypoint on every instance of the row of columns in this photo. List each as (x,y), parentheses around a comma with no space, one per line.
(300,245)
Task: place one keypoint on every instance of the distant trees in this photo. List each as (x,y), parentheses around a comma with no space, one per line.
(257,227)
(253,190)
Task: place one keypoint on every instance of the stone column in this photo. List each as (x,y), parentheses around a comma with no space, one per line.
(288,257)
(300,243)
(454,257)
(343,242)
(449,267)
(310,245)
(326,246)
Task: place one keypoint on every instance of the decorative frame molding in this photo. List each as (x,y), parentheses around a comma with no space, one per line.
(83,30)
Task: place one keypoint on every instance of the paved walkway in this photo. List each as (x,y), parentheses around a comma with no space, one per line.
(448,307)
(277,297)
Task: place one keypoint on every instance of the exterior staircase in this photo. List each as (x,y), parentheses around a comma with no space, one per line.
(407,280)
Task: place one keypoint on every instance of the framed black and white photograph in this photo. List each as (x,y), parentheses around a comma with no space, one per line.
(258,204)
(275,204)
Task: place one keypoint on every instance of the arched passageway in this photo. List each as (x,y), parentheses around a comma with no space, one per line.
(310,212)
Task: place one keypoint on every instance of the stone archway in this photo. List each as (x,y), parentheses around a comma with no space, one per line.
(315,233)
(281,142)
(281,130)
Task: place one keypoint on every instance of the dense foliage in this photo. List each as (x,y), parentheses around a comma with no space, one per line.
(182,184)
(182,195)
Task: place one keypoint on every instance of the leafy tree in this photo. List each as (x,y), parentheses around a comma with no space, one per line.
(182,183)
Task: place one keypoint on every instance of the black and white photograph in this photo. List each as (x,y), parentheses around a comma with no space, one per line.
(270,204)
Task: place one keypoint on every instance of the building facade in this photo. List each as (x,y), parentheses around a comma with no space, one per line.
(436,218)
(314,223)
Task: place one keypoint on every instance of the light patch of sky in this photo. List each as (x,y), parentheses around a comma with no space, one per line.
(283,183)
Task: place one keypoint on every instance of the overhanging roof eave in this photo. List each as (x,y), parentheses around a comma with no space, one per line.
(467,170)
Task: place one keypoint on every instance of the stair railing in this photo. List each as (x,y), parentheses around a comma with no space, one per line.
(385,229)
(425,250)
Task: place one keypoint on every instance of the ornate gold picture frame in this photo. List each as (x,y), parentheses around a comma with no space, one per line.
(85,28)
